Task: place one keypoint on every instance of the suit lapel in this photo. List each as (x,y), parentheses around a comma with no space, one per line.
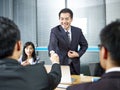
(73,35)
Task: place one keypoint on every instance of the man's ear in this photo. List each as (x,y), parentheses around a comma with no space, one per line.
(19,45)
(105,53)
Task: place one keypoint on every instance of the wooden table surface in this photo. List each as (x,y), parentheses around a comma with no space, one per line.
(77,79)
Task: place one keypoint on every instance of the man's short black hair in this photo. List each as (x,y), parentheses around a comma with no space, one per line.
(9,35)
(66,10)
(110,39)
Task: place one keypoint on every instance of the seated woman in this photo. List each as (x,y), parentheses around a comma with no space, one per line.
(29,55)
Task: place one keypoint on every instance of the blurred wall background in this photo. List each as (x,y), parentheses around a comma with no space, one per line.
(35,19)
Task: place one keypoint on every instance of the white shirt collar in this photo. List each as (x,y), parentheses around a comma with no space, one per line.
(113,69)
(31,61)
(68,30)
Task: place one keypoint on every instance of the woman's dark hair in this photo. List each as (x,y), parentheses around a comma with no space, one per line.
(24,56)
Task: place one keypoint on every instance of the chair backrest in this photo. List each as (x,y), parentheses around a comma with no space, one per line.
(40,61)
(96,69)
(43,62)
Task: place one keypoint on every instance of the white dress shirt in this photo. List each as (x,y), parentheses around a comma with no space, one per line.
(113,69)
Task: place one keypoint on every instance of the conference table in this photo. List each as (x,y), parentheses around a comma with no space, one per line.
(76,79)
(65,81)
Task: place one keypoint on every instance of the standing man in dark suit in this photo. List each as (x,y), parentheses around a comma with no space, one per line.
(65,40)
(14,76)
(109,60)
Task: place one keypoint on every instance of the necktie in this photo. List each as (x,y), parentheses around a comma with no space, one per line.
(68,35)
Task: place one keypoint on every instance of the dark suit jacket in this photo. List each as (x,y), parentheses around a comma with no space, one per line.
(13,76)
(59,43)
(109,81)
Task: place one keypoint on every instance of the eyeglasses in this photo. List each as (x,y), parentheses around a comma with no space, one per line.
(100,46)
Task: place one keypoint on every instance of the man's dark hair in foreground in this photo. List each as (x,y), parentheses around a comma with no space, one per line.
(109,60)
(14,76)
